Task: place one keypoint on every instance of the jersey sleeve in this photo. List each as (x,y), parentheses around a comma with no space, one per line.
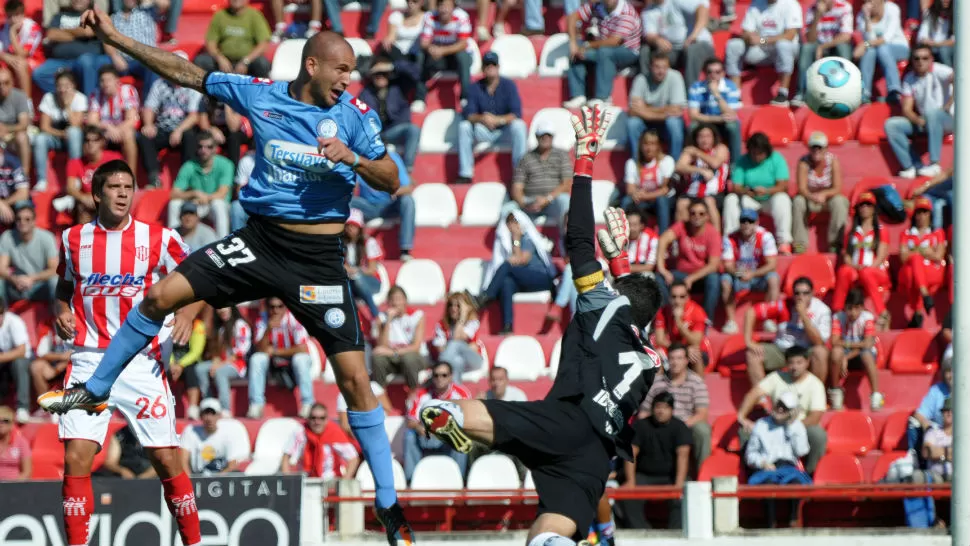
(727,249)
(366,134)
(769,247)
(236,90)
(174,250)
(440,338)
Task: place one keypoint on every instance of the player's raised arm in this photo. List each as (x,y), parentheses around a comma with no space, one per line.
(168,65)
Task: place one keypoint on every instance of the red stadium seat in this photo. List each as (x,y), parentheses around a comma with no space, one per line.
(776,122)
(871,123)
(882,465)
(732,355)
(719,464)
(838,469)
(837,130)
(724,433)
(851,432)
(818,267)
(151,206)
(915,351)
(893,435)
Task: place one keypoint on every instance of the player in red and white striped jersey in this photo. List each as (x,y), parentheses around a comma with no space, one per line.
(446,41)
(281,341)
(20,41)
(114,109)
(106,267)
(416,443)
(864,260)
(456,335)
(749,258)
(642,249)
(853,344)
(606,24)
(923,253)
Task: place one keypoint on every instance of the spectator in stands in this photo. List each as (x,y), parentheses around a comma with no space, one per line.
(15,115)
(647,179)
(610,42)
(543,178)
(691,399)
(398,340)
(401,42)
(683,322)
(642,246)
(927,109)
(661,452)
(809,403)
(14,187)
(929,414)
(79,175)
(938,446)
(228,349)
(715,101)
(499,388)
(883,42)
(205,182)
(139,25)
(760,180)
(15,357)
(182,366)
(16,463)
(657,101)
(114,109)
(750,262)
(280,341)
(238,217)
(382,399)
(678,31)
(703,168)
(53,356)
(937,31)
(519,263)
(335,7)
(386,94)
(208,449)
(769,35)
(165,12)
(378,204)
(828,31)
(236,40)
(566,291)
(492,113)
(456,335)
(444,46)
(314,25)
(698,256)
(28,258)
(52,8)
(939,189)
(323,448)
(70,46)
(804,321)
(417,444)
(228,128)
(922,250)
(853,344)
(126,457)
(20,40)
(194,233)
(61,115)
(865,260)
(362,256)
(819,179)
(169,118)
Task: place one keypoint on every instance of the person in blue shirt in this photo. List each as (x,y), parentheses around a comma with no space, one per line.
(716,100)
(930,411)
(312,141)
(378,204)
(386,93)
(493,113)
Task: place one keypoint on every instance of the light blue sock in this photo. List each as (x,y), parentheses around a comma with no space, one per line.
(133,336)
(368,427)
(605,530)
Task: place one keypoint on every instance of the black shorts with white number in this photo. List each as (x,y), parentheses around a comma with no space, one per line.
(264,260)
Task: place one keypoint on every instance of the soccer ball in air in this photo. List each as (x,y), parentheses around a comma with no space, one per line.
(833,87)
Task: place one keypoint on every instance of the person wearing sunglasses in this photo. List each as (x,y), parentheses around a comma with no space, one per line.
(16,463)
(206,181)
(698,258)
(927,110)
(714,102)
(922,250)
(209,449)
(320,449)
(417,443)
(865,262)
(750,261)
(819,179)
(80,171)
(28,258)
(280,342)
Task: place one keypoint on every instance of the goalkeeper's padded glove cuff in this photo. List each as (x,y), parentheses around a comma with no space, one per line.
(583,166)
(620,265)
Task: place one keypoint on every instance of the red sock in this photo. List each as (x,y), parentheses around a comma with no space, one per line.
(181,503)
(78,508)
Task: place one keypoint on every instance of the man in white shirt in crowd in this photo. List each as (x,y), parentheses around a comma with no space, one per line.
(678,30)
(499,388)
(209,449)
(828,31)
(769,35)
(194,233)
(927,110)
(657,101)
(399,335)
(810,393)
(750,260)
(282,342)
(15,357)
(61,114)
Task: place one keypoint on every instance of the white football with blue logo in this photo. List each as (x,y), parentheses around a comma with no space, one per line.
(833,87)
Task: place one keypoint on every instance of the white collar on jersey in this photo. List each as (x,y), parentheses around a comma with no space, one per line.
(127,225)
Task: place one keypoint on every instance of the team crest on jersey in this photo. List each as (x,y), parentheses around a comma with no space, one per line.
(334,317)
(327,128)
(86,251)
(141,253)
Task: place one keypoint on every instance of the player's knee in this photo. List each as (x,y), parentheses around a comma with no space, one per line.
(166,461)
(78,459)
(355,386)
(159,301)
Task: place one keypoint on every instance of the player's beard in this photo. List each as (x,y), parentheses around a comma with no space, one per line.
(321,94)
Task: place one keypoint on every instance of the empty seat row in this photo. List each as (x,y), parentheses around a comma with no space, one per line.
(833,468)
(492,472)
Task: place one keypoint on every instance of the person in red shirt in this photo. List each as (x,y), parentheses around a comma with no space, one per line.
(922,250)
(79,174)
(864,256)
(321,449)
(15,461)
(683,322)
(417,443)
(698,256)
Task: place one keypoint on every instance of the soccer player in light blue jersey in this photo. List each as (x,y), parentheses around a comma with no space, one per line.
(312,140)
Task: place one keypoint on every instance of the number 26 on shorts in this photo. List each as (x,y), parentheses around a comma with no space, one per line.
(236,252)
(149,409)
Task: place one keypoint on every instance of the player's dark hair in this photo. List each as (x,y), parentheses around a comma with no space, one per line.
(658,55)
(803,280)
(65,73)
(676,347)
(702,126)
(12,7)
(106,171)
(796,351)
(644,296)
(711,61)
(663,397)
(108,69)
(855,297)
(759,143)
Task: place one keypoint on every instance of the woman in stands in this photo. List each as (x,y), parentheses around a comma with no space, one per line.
(363,255)
(819,179)
(229,351)
(864,260)
(922,250)
(704,165)
(15,461)
(648,180)
(456,336)
(883,42)
(183,363)
(403,31)
(936,31)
